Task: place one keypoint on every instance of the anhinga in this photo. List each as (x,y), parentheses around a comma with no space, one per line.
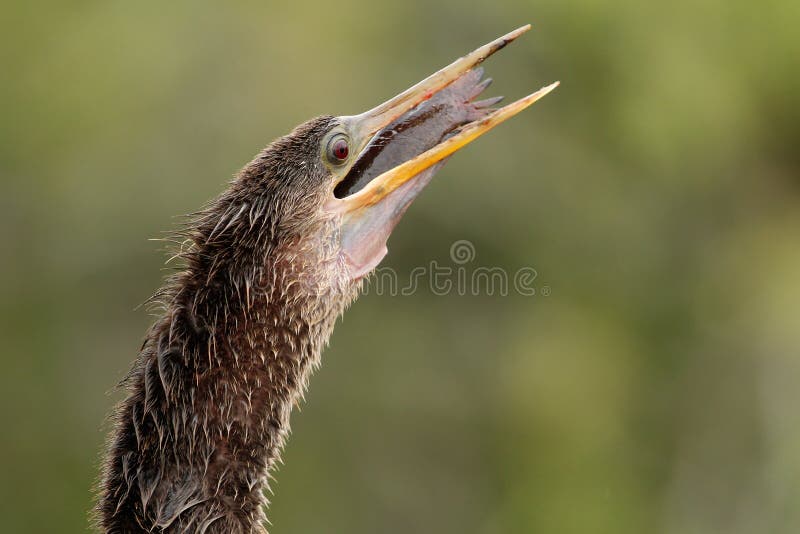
(268,267)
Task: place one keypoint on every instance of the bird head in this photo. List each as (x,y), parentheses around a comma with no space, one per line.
(341,184)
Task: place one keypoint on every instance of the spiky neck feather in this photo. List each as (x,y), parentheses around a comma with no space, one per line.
(218,374)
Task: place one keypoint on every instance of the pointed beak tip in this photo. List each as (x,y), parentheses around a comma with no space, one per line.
(549,88)
(541,93)
(519,31)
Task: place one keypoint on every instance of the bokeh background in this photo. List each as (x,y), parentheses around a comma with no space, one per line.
(656,193)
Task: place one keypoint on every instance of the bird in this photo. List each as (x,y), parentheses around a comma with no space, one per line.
(267,267)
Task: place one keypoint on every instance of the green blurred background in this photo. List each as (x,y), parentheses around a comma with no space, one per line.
(656,193)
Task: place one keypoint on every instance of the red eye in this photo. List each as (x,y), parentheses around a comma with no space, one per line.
(339,149)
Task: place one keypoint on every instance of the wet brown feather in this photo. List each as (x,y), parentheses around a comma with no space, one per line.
(242,325)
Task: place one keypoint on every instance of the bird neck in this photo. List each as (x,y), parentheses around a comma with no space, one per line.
(212,391)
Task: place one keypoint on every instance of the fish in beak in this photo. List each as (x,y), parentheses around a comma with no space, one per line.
(400,145)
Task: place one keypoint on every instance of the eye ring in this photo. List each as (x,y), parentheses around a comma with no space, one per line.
(338,149)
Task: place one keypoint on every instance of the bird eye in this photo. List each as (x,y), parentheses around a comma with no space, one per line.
(338,149)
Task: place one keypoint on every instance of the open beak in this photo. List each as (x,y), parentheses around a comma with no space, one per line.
(401,144)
